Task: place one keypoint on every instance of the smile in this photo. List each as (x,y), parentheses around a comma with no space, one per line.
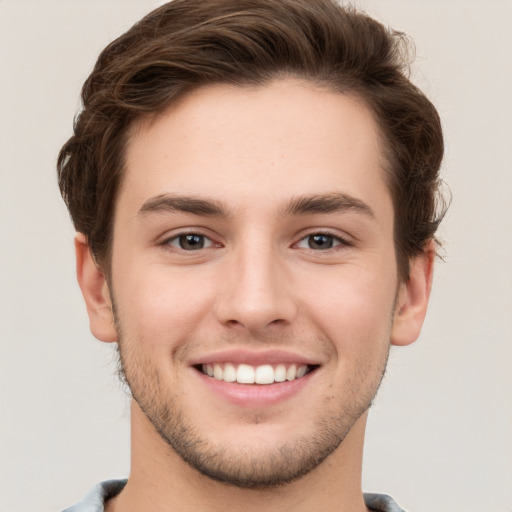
(261,374)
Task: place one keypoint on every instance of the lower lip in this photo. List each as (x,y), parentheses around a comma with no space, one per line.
(255,395)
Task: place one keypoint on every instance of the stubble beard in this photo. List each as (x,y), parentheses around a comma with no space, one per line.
(242,467)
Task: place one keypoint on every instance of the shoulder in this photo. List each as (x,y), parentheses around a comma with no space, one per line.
(381,503)
(95,499)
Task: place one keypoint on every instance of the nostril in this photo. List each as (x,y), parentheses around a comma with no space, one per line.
(279,321)
(254,324)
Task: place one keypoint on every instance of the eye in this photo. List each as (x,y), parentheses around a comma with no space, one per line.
(321,242)
(190,242)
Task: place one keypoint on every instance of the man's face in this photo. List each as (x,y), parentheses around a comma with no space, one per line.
(253,237)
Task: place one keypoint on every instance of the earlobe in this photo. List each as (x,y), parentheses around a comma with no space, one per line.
(413,297)
(94,286)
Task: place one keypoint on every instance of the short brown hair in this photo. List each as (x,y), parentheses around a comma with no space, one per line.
(189,43)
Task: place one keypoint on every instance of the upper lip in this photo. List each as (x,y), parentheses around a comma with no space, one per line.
(254,357)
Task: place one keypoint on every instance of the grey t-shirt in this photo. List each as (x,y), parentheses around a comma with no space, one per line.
(99,494)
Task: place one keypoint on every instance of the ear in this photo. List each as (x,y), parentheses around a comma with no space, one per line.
(93,284)
(412,300)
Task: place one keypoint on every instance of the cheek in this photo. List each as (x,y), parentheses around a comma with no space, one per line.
(354,308)
(161,309)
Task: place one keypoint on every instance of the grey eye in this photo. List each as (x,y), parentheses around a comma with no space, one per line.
(320,242)
(191,242)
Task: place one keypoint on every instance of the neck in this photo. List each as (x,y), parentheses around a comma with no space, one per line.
(161,481)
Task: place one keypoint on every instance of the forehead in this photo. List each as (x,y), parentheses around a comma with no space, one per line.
(248,145)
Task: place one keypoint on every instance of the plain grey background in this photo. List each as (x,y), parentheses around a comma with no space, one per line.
(440,433)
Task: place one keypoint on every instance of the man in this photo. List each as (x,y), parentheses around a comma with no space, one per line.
(254,187)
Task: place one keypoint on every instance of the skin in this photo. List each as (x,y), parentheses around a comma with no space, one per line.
(258,285)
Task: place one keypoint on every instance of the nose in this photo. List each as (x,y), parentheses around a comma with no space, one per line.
(256,292)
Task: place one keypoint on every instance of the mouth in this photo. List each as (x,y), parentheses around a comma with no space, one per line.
(264,374)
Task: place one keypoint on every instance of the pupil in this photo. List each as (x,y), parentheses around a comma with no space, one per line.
(320,242)
(191,242)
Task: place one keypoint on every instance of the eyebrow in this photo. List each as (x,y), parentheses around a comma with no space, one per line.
(327,203)
(301,205)
(186,204)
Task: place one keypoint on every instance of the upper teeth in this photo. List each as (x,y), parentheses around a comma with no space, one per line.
(247,374)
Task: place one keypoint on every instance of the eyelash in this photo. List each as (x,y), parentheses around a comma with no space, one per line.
(336,241)
(168,242)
